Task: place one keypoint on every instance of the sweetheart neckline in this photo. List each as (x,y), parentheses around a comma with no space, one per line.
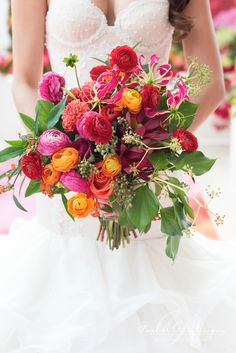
(104,26)
(119,13)
(133,3)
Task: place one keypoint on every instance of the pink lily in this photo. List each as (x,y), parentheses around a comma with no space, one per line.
(164,74)
(106,83)
(153,61)
(116,97)
(175,99)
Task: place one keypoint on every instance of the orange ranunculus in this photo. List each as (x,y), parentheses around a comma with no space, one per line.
(46,189)
(131,99)
(111,166)
(80,205)
(100,184)
(65,159)
(50,176)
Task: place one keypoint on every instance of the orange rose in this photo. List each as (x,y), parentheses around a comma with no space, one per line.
(65,159)
(80,205)
(111,166)
(131,99)
(100,184)
(50,176)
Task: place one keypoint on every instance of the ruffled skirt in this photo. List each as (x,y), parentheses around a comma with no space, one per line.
(72,294)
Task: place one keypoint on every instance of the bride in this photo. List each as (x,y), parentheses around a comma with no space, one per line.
(60,290)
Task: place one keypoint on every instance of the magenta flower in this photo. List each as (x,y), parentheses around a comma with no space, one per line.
(161,74)
(50,87)
(52,141)
(133,156)
(164,74)
(106,83)
(150,129)
(226,18)
(83,146)
(73,181)
(176,98)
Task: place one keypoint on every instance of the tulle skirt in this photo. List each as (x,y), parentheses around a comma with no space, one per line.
(72,294)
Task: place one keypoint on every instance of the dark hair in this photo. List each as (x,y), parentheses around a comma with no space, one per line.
(182,23)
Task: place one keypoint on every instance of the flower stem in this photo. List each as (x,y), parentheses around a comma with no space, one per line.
(179,188)
(69,93)
(77,77)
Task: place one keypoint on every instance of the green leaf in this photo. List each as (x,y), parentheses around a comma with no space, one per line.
(158,189)
(18,204)
(159,160)
(21,185)
(188,109)
(10,152)
(182,196)
(123,216)
(195,160)
(33,188)
(145,208)
(163,104)
(180,216)
(55,113)
(16,143)
(64,200)
(172,246)
(43,108)
(146,68)
(28,121)
(169,223)
(71,60)
(124,219)
(148,227)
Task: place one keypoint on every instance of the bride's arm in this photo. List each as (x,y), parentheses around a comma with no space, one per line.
(201,43)
(28,44)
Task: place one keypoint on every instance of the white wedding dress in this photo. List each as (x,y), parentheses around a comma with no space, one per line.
(61,291)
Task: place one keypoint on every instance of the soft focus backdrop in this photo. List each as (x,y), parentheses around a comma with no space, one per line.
(217,136)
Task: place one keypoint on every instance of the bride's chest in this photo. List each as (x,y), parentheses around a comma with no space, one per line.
(80,21)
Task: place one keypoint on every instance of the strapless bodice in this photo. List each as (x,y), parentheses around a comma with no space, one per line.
(81,28)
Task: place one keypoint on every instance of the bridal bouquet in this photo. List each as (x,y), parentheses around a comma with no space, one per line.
(114,143)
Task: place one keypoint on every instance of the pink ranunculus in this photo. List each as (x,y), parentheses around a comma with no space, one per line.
(50,87)
(73,181)
(83,146)
(52,141)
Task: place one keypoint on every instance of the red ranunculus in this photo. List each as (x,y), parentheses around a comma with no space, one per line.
(95,127)
(124,58)
(109,112)
(31,165)
(188,141)
(151,96)
(98,70)
(87,93)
